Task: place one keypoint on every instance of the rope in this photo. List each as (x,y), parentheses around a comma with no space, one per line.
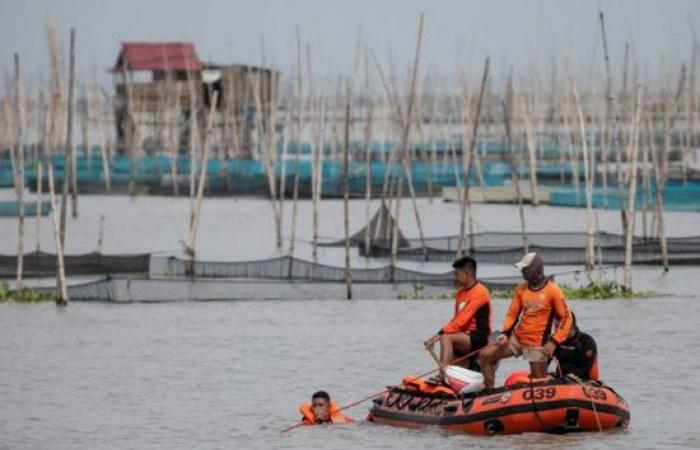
(376,394)
(577,380)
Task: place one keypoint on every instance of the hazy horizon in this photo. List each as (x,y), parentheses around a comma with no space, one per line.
(458,34)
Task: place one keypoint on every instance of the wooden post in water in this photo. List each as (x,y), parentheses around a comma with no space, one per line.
(632,189)
(608,109)
(514,160)
(368,154)
(297,141)
(403,158)
(465,202)
(98,111)
(101,233)
(588,180)
(61,288)
(68,151)
(346,197)
(39,202)
(19,173)
(73,177)
(196,212)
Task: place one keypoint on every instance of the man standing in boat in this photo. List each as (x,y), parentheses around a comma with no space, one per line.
(470,326)
(536,304)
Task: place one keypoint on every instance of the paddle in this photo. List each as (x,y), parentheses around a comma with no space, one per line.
(441,367)
(376,394)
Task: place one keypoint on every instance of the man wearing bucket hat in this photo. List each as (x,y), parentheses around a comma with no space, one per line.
(527,328)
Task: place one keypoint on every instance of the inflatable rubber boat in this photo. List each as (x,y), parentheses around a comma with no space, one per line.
(553,405)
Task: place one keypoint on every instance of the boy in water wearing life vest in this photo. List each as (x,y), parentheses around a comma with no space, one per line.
(469,328)
(322,410)
(528,323)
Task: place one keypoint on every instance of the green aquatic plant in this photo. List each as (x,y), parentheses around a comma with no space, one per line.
(418,293)
(595,290)
(25,295)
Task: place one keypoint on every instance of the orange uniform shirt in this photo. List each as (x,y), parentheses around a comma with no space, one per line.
(472,311)
(532,313)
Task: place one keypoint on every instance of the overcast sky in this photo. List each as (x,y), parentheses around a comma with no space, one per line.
(457,32)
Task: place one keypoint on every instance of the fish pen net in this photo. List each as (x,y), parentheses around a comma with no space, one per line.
(38,264)
(558,248)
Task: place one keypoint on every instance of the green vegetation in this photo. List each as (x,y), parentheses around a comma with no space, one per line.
(602,290)
(418,293)
(594,290)
(26,295)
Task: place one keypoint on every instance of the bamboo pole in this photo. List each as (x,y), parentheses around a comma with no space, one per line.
(316,112)
(465,205)
(194,223)
(368,155)
(106,174)
(530,140)
(19,173)
(404,156)
(61,287)
(632,190)
(661,169)
(101,233)
(588,180)
(194,128)
(39,202)
(514,160)
(68,155)
(297,141)
(57,124)
(346,197)
(608,108)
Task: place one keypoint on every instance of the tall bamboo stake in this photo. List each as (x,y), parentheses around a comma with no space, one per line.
(71,107)
(39,202)
(530,140)
(608,107)
(297,141)
(101,233)
(588,179)
(346,197)
(194,224)
(368,155)
(68,170)
(61,288)
(103,138)
(661,169)
(404,155)
(465,202)
(514,160)
(632,190)
(19,174)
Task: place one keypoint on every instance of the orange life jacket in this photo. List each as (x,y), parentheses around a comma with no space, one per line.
(308,418)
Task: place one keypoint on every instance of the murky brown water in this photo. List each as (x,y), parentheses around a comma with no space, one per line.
(231,374)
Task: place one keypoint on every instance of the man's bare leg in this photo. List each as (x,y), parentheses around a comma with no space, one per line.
(538,370)
(489,357)
(450,342)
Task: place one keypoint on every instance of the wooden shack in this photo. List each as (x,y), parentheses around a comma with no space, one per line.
(163,91)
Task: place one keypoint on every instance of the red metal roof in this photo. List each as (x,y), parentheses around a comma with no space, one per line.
(158,56)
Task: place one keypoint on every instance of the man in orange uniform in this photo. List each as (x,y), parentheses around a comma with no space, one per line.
(527,328)
(322,410)
(470,327)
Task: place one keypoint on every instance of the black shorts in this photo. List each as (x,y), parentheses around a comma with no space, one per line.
(478,341)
